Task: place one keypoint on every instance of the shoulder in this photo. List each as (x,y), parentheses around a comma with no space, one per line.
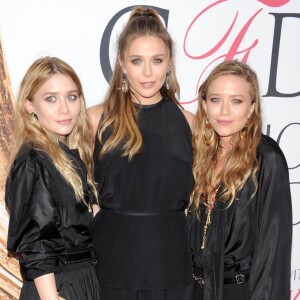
(27,168)
(29,159)
(190,117)
(27,153)
(95,112)
(270,152)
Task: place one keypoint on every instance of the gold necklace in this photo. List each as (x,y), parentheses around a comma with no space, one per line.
(209,206)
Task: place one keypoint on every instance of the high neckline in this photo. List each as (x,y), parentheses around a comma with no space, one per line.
(149,105)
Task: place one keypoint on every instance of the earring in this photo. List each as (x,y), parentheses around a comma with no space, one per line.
(168,74)
(208,140)
(125,83)
(243,132)
(207,124)
(34,115)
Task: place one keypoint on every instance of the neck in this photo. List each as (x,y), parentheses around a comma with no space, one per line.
(225,146)
(146,101)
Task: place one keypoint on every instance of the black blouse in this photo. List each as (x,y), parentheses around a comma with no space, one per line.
(45,221)
(252,236)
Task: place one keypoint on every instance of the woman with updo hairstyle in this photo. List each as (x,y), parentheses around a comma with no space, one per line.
(240,217)
(143,164)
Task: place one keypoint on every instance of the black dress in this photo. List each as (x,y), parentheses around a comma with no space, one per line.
(141,233)
(48,228)
(252,237)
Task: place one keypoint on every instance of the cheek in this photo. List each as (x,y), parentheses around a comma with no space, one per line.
(251,112)
(76,109)
(131,76)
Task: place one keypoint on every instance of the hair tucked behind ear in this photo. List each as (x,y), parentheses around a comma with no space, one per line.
(242,162)
(120,115)
(28,130)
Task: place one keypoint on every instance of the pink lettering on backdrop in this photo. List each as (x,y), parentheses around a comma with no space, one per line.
(231,52)
(234,48)
(274,3)
(296,295)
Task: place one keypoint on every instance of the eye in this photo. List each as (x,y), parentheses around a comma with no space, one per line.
(215,100)
(136,61)
(236,101)
(157,60)
(50,98)
(72,97)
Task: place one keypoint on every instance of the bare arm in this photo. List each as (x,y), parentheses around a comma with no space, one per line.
(95,113)
(190,117)
(46,287)
(96,209)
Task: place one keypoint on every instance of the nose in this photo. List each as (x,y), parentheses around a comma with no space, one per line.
(147,70)
(63,106)
(225,108)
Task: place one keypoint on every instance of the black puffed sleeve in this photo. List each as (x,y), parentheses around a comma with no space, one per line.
(34,219)
(271,266)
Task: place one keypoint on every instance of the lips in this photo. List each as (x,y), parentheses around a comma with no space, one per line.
(224,122)
(64,122)
(147,85)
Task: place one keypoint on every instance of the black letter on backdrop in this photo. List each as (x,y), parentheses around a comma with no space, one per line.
(280,135)
(104,46)
(272,92)
(296,222)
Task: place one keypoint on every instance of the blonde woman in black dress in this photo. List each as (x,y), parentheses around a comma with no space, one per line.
(50,187)
(241,219)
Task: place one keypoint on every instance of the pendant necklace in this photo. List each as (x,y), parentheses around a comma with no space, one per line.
(209,206)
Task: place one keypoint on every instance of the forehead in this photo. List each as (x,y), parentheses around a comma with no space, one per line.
(58,82)
(229,84)
(145,45)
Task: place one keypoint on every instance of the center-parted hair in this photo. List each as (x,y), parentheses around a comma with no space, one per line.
(120,115)
(241,162)
(28,130)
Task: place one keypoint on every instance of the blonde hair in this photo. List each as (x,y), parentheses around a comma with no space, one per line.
(120,114)
(28,130)
(242,160)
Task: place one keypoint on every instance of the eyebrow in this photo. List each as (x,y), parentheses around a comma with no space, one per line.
(155,55)
(236,95)
(56,93)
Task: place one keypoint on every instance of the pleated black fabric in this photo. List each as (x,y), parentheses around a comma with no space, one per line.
(141,233)
(185,293)
(252,236)
(74,282)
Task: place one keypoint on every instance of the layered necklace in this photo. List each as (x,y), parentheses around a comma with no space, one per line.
(209,203)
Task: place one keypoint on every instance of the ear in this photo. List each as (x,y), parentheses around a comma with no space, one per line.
(203,103)
(170,65)
(251,110)
(120,63)
(29,106)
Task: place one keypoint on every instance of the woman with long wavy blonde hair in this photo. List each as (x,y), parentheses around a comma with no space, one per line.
(143,163)
(241,222)
(50,188)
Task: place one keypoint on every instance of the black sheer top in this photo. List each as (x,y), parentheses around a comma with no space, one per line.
(252,236)
(45,221)
(141,231)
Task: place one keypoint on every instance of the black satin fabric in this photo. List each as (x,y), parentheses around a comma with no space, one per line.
(252,236)
(78,281)
(45,221)
(141,233)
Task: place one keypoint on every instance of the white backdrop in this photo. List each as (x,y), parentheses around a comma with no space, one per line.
(264,33)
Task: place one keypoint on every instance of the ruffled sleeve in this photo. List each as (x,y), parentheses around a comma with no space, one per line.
(270,274)
(34,219)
